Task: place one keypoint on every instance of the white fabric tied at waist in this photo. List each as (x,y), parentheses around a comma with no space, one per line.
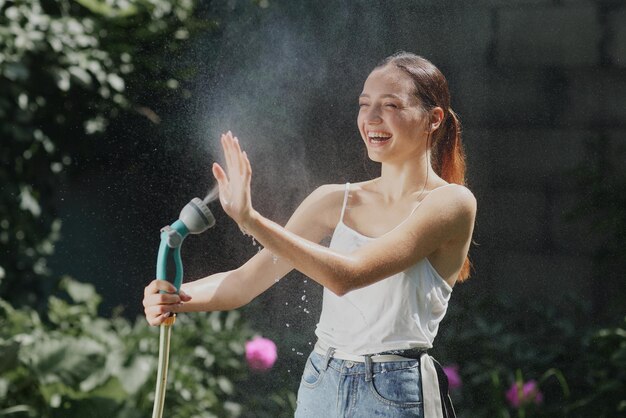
(430,388)
(430,382)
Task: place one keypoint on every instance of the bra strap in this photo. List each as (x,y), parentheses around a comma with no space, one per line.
(345,201)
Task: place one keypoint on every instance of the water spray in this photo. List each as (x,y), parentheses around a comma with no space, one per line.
(195,218)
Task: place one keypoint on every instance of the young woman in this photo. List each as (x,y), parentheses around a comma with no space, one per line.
(399,244)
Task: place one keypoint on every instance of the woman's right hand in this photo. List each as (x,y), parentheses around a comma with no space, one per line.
(159,306)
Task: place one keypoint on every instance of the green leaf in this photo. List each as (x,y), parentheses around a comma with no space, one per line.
(116,82)
(80,292)
(17,409)
(64,359)
(81,75)
(8,355)
(15,71)
(103,8)
(141,371)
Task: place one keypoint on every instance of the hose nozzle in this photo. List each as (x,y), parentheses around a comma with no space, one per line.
(196,216)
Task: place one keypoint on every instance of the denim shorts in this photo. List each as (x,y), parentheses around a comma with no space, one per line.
(333,388)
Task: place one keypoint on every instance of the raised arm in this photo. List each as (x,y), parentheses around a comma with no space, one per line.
(445,216)
(313,220)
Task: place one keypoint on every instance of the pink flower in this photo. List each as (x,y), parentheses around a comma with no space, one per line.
(454,379)
(529,393)
(261,353)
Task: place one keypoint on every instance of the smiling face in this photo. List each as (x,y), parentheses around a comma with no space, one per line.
(391,119)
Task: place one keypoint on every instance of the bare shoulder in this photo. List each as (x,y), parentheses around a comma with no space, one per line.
(456,204)
(322,206)
(327,195)
(458,195)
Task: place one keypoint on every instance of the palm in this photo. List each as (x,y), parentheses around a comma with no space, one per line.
(234,183)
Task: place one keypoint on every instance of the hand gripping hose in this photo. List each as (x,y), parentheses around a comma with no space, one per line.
(194,219)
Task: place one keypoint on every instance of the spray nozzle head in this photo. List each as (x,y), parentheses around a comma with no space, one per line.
(196,216)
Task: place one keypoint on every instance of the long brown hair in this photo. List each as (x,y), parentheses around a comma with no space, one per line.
(431,89)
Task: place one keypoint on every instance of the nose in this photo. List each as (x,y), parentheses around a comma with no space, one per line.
(372,115)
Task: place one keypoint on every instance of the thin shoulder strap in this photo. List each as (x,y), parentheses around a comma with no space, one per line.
(345,201)
(420,202)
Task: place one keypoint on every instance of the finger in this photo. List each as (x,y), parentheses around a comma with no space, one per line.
(157,320)
(227,157)
(156,285)
(153,322)
(229,153)
(185,297)
(156,310)
(240,160)
(247,165)
(220,175)
(235,152)
(162,318)
(161,299)
(222,184)
(247,171)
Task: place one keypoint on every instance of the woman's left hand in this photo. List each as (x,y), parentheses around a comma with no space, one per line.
(234,184)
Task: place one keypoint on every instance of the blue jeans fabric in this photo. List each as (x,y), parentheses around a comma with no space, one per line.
(333,388)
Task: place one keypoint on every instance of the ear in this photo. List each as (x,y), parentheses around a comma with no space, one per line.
(436,117)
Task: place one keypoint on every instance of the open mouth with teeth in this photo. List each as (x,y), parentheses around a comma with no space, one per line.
(378,138)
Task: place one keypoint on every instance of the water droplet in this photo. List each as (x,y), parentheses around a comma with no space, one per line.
(253,242)
(305,281)
(303,297)
(293,349)
(287,325)
(286,303)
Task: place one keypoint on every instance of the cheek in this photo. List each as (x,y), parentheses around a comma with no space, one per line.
(359,124)
(359,118)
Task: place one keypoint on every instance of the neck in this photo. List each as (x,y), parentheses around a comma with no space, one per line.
(400,179)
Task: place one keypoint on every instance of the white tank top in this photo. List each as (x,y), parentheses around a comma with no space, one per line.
(397,313)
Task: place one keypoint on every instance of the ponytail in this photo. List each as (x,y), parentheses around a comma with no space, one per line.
(449,162)
(450,156)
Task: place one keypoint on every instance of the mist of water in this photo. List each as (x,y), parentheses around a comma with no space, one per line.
(212,195)
(269,85)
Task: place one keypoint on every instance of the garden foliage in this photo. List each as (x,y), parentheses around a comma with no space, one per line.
(577,369)
(72,363)
(67,68)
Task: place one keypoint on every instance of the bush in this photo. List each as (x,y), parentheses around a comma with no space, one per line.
(576,369)
(73,363)
(67,68)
